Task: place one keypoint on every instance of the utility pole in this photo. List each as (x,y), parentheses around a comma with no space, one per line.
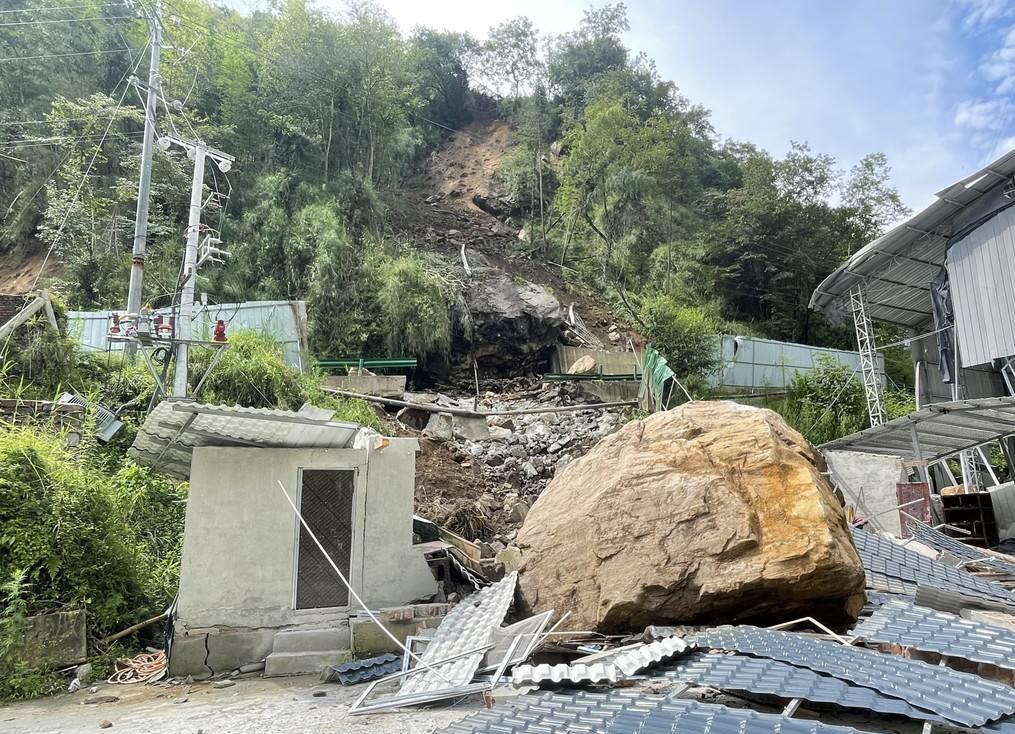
(198,151)
(144,184)
(184,322)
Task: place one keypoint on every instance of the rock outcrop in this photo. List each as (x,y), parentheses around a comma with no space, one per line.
(708,512)
(514,322)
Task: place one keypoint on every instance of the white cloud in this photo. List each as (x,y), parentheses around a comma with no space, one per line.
(984,12)
(1003,146)
(990,114)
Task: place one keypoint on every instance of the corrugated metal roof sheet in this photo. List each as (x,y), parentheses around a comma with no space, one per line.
(984,313)
(897,267)
(959,697)
(174,428)
(942,429)
(468,625)
(774,677)
(628,712)
(884,557)
(936,539)
(919,628)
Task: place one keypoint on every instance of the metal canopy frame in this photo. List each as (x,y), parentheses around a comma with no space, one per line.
(909,255)
(936,432)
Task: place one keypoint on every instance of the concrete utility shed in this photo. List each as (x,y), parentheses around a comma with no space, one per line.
(253,585)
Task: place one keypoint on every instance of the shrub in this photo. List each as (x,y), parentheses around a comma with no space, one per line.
(685,335)
(75,534)
(420,306)
(826,403)
(253,373)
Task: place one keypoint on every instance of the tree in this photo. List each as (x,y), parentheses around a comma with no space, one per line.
(510,58)
(441,60)
(577,59)
(873,202)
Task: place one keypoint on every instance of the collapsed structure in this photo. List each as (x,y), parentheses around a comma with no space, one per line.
(253,585)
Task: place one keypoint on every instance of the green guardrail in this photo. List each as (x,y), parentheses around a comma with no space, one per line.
(369,364)
(566,377)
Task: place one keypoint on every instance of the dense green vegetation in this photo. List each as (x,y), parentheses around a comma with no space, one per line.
(633,192)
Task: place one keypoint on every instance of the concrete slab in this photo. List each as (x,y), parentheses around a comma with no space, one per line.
(385,386)
(56,639)
(472,429)
(300,663)
(368,639)
(310,640)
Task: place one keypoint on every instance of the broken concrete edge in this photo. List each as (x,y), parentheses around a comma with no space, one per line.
(54,640)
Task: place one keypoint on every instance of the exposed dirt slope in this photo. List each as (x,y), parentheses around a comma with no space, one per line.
(19,267)
(438,214)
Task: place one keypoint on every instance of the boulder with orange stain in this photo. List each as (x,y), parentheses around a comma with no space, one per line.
(712,511)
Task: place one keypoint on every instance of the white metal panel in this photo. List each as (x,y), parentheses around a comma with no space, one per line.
(766,364)
(981,277)
(282,320)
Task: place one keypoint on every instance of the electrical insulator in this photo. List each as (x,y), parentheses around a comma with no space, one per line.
(165,326)
(220,331)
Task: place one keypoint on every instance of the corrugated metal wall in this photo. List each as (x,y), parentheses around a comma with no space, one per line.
(764,364)
(285,321)
(977,382)
(981,272)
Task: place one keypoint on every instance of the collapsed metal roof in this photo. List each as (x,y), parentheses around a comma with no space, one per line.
(896,269)
(937,431)
(175,428)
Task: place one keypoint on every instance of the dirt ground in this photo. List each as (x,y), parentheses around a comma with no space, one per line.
(288,706)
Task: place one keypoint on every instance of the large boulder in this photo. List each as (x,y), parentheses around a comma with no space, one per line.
(514,322)
(712,511)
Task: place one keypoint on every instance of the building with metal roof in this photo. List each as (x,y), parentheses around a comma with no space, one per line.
(254,583)
(960,253)
(945,276)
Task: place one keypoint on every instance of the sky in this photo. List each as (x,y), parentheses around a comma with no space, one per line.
(927,82)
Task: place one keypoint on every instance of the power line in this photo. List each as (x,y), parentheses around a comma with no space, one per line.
(63,56)
(38,143)
(67,20)
(84,178)
(48,9)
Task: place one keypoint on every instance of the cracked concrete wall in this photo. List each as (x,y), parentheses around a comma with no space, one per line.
(237,576)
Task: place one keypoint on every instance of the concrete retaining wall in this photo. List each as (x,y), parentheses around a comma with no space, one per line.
(611,363)
(386,386)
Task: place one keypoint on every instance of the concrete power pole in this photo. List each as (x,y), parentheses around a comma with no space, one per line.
(195,247)
(184,322)
(144,184)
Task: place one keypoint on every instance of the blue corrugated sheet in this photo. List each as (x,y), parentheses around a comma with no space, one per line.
(284,321)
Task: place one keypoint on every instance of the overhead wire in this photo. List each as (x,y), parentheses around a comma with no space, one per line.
(88,169)
(66,20)
(126,50)
(45,9)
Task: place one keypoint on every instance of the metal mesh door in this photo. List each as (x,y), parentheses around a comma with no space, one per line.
(326,505)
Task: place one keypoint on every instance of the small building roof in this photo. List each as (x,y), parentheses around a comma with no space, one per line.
(896,269)
(175,428)
(941,430)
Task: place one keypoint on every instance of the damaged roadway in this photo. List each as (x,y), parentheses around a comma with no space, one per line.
(285,706)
